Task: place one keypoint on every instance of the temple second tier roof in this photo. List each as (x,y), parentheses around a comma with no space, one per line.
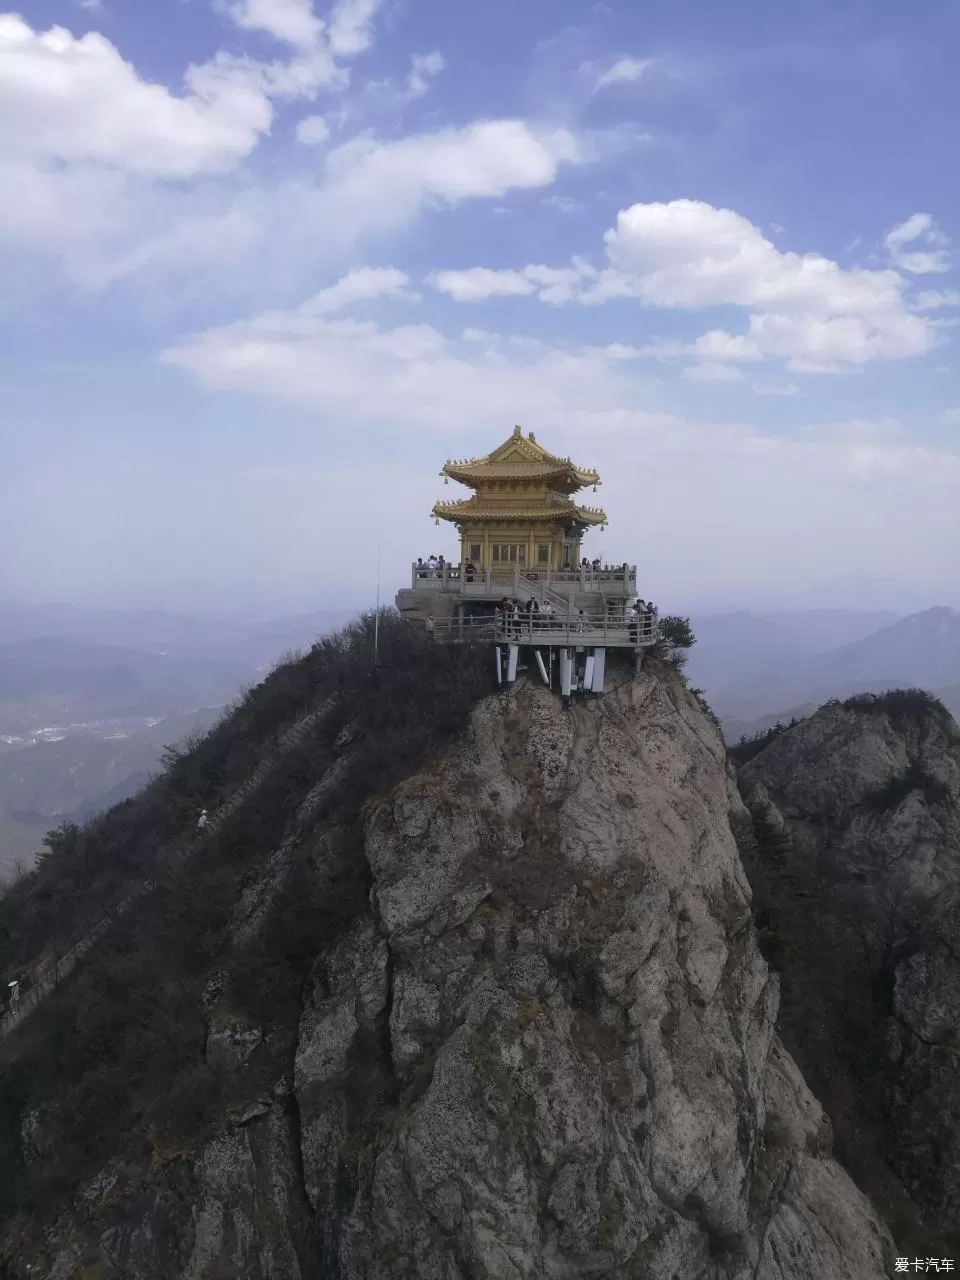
(521,458)
(520,512)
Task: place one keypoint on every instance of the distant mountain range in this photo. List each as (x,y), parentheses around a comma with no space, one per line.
(61,665)
(58,680)
(80,688)
(757,669)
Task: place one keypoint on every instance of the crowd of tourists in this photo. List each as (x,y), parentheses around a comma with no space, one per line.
(510,614)
(514,617)
(432,567)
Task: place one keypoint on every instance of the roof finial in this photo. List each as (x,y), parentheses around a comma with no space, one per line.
(516,431)
(532,436)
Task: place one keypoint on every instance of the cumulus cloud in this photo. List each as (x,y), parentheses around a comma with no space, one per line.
(950,417)
(686,253)
(70,100)
(802,308)
(111,172)
(87,159)
(921,229)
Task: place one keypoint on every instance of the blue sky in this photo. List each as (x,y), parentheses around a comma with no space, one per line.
(267,265)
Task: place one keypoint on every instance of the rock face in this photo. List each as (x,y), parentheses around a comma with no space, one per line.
(869,791)
(547,1049)
(579,1074)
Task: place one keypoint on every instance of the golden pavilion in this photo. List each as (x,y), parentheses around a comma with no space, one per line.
(521,512)
(522,577)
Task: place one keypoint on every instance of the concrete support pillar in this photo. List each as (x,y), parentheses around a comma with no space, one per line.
(543,670)
(499,660)
(514,651)
(566,671)
(599,662)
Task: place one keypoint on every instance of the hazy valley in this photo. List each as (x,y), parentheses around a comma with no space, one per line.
(757,668)
(89,699)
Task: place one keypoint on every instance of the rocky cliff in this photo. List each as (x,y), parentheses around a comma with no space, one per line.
(542,1044)
(868,792)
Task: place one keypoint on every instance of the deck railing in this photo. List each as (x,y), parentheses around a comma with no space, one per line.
(636,630)
(465,581)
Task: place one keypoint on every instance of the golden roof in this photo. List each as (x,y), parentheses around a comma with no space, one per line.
(470,510)
(521,458)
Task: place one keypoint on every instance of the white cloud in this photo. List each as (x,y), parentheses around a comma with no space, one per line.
(712,372)
(96,162)
(68,101)
(479,283)
(360,285)
(689,254)
(931,299)
(91,6)
(950,417)
(351,26)
(422,67)
(347,32)
(388,181)
(410,372)
(623,71)
(291,21)
(312,130)
(551,284)
(803,309)
(106,224)
(919,227)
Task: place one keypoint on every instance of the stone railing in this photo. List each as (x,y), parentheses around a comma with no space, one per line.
(465,580)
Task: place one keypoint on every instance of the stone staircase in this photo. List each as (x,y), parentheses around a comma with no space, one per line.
(289,740)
